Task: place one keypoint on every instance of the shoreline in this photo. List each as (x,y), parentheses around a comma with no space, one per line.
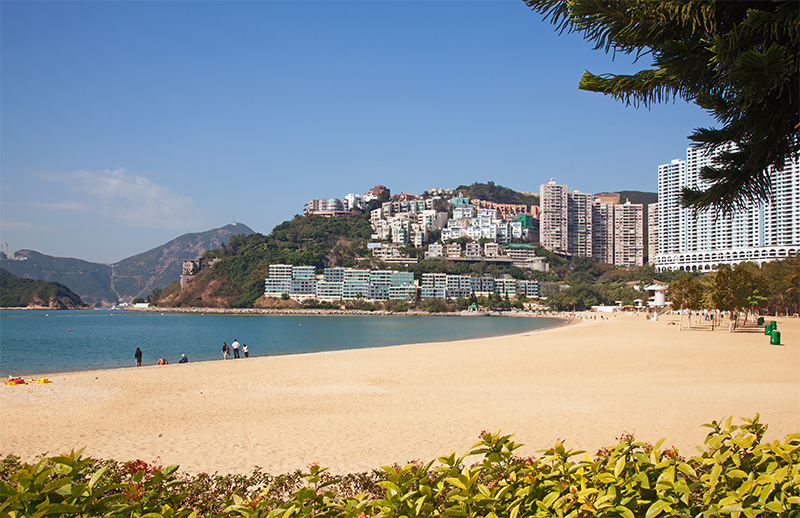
(355,410)
(344,312)
(556,322)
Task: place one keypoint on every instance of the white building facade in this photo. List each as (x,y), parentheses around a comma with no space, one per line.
(700,242)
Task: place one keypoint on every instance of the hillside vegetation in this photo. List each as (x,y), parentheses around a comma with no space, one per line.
(496,193)
(157,268)
(237,280)
(22,293)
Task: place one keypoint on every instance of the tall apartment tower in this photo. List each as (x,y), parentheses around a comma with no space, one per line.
(629,234)
(579,223)
(652,232)
(699,242)
(553,230)
(603,231)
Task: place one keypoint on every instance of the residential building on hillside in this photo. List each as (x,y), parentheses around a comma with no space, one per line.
(435,251)
(553,222)
(652,232)
(579,223)
(757,232)
(491,250)
(375,193)
(189,268)
(390,253)
(329,208)
(603,231)
(354,202)
(472,250)
(629,234)
(300,282)
(452,250)
(506,211)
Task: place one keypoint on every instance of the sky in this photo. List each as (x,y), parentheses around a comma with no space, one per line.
(126,124)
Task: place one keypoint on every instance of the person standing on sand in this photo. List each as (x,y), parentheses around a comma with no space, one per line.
(225,351)
(138,356)
(246,350)
(235,347)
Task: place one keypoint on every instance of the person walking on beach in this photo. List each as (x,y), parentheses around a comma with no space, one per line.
(235,347)
(246,350)
(225,351)
(138,356)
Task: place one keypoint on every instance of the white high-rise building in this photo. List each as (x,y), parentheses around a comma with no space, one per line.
(699,242)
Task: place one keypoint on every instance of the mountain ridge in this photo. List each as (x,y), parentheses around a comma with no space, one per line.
(101,284)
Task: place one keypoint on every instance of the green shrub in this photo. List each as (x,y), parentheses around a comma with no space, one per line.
(736,475)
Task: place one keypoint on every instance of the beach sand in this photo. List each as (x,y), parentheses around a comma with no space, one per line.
(585,384)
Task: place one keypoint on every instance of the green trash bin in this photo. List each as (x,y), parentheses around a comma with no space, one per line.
(773,324)
(775,338)
(768,329)
(761,321)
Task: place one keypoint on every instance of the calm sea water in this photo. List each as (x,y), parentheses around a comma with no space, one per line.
(39,342)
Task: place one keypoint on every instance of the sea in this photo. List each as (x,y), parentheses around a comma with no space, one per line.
(45,341)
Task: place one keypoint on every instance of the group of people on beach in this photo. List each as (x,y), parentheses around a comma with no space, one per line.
(161,361)
(235,348)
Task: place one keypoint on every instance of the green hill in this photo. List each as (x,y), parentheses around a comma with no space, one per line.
(237,280)
(496,193)
(22,293)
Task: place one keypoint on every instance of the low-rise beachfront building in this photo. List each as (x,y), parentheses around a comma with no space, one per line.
(528,288)
(334,274)
(433,293)
(300,282)
(356,284)
(305,287)
(279,280)
(483,285)
(328,290)
(459,286)
(434,280)
(505,285)
(306,273)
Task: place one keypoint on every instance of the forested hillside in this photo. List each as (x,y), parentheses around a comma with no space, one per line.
(92,281)
(238,279)
(21,293)
(496,193)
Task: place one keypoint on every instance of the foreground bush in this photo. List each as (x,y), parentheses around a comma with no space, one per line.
(736,475)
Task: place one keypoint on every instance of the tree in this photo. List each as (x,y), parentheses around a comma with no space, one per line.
(684,293)
(738,60)
(781,280)
(729,291)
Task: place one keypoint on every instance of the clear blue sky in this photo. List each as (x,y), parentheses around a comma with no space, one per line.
(127,124)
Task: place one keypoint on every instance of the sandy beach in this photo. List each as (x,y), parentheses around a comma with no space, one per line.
(585,383)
